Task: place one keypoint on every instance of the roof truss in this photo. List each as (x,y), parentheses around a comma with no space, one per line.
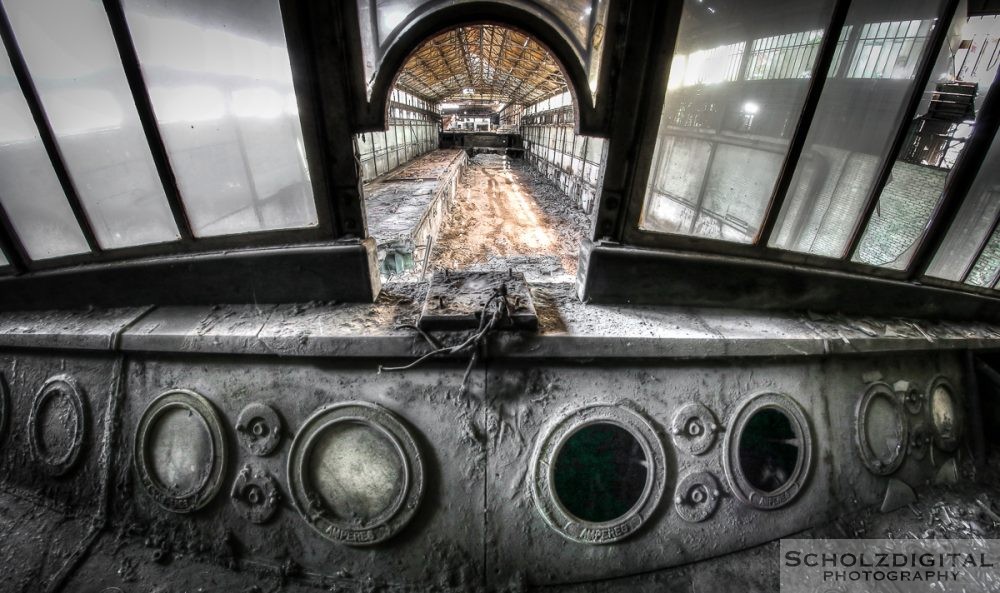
(497,63)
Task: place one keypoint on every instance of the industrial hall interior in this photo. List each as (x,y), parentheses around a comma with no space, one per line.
(493,296)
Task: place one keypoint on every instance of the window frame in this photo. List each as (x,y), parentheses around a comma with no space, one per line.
(337,218)
(629,233)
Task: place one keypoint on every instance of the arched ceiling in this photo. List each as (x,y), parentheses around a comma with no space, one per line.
(497,63)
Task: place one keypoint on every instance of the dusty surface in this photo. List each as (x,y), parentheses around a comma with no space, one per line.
(397,202)
(506,215)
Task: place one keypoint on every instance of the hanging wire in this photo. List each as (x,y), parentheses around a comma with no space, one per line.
(495,313)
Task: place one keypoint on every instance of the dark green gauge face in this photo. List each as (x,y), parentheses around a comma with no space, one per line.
(600,473)
(769,450)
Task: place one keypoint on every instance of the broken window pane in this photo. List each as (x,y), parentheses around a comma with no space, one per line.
(853,125)
(723,138)
(770,451)
(74,64)
(600,472)
(221,86)
(975,220)
(29,190)
(987,267)
(937,136)
(855,122)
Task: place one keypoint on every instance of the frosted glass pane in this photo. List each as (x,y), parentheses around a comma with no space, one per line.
(74,63)
(3,259)
(722,141)
(972,225)
(29,190)
(984,272)
(221,86)
(856,119)
(936,139)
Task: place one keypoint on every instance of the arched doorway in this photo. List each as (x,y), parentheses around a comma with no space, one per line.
(509,184)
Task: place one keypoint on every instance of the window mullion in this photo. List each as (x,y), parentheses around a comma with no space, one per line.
(924,72)
(959,183)
(831,39)
(45,131)
(144,108)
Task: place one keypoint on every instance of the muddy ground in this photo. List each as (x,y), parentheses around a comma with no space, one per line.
(506,215)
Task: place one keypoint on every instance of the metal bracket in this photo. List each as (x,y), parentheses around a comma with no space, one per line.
(457,300)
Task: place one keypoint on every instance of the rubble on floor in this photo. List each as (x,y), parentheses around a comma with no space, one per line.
(507,216)
(406,207)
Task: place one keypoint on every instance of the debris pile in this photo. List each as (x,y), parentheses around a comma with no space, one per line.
(507,216)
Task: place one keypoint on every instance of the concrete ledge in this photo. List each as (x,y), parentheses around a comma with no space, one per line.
(569,329)
(613,274)
(325,272)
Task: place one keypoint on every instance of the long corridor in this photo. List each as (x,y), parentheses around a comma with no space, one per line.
(506,215)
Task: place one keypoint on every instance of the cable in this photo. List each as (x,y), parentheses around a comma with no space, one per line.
(489,320)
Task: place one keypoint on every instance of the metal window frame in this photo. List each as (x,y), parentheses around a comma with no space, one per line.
(331,260)
(981,249)
(620,211)
(331,211)
(957,187)
(48,137)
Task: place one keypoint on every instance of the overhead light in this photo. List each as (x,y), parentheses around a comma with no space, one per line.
(469,91)
(751,108)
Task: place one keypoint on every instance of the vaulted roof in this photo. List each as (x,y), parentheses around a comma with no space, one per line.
(497,63)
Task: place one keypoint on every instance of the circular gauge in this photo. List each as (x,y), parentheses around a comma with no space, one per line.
(255,494)
(598,474)
(180,451)
(945,414)
(57,425)
(355,473)
(881,429)
(260,429)
(697,496)
(693,428)
(768,451)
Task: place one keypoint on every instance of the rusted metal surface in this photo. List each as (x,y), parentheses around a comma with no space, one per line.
(446,523)
(475,450)
(87,329)
(55,459)
(528,400)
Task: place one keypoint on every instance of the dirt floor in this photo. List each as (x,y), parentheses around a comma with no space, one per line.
(506,215)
